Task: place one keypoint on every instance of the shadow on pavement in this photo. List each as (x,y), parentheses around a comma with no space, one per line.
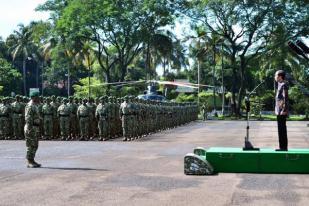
(75,168)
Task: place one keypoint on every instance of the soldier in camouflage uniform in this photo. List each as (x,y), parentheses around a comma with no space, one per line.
(117,120)
(5,119)
(108,106)
(63,113)
(40,107)
(126,114)
(101,116)
(48,116)
(111,117)
(17,118)
(93,124)
(32,129)
(83,114)
(2,124)
(55,106)
(73,119)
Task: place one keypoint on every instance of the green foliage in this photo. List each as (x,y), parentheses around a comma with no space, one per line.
(52,90)
(9,77)
(82,88)
(299,103)
(182,97)
(208,99)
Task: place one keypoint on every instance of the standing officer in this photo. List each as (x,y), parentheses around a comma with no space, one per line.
(83,114)
(93,124)
(5,116)
(125,113)
(32,128)
(17,117)
(101,116)
(282,109)
(73,118)
(55,106)
(64,119)
(48,116)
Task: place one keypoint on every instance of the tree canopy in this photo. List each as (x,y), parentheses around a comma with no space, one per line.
(229,44)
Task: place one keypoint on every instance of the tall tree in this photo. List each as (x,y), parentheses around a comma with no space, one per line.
(118,28)
(246,27)
(24,48)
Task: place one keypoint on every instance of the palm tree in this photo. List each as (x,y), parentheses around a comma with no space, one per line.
(86,57)
(46,50)
(23,47)
(165,50)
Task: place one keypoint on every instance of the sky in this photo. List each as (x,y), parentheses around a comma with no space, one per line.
(14,12)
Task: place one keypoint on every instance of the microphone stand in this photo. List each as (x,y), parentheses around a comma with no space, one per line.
(248,145)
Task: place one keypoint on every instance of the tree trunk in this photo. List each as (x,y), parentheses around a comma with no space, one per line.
(24,76)
(37,75)
(107,80)
(233,103)
(164,67)
(241,88)
(89,83)
(123,72)
(147,64)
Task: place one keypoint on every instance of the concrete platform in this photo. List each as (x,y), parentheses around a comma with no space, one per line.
(149,171)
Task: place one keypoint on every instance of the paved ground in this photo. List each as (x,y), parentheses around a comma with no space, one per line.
(149,171)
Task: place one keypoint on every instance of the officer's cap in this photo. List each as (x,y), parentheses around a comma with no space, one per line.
(34,93)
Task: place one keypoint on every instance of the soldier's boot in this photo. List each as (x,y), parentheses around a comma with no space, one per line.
(125,139)
(32,164)
(37,164)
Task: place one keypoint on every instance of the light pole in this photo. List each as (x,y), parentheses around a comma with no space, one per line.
(42,79)
(69,83)
(213,78)
(198,81)
(222,67)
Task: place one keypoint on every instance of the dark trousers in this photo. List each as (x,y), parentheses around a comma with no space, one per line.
(282,133)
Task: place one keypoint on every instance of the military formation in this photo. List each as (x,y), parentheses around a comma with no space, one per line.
(100,119)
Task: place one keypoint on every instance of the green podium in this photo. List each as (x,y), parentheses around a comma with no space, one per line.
(228,159)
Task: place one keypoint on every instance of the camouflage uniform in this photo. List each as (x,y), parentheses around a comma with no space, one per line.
(48,116)
(83,114)
(63,113)
(123,115)
(5,119)
(101,116)
(93,123)
(17,118)
(73,119)
(32,131)
(55,106)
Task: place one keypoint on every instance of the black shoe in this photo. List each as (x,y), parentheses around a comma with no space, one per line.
(36,164)
(278,150)
(33,164)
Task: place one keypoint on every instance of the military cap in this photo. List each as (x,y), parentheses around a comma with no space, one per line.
(34,93)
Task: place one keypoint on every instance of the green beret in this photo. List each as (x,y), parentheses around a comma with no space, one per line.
(34,93)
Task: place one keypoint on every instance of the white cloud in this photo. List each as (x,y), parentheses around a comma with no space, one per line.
(14,12)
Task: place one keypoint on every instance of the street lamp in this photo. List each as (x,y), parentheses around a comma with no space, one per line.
(222,78)
(198,81)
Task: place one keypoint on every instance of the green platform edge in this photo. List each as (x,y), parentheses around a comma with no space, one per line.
(266,160)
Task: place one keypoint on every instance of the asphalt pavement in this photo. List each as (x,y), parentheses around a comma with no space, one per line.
(149,171)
